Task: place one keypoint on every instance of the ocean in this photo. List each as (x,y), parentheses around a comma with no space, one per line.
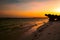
(13,28)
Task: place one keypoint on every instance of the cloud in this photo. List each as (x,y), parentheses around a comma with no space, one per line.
(19,1)
(8,1)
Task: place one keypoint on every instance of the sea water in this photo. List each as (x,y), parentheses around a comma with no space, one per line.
(13,27)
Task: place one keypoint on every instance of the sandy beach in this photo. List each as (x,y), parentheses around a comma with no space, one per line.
(29,19)
(39,30)
(49,31)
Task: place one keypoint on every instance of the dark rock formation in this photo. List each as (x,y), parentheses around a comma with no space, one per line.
(53,17)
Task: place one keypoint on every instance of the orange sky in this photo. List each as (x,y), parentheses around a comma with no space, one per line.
(29,8)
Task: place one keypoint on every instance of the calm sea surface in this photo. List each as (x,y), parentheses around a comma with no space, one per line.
(11,29)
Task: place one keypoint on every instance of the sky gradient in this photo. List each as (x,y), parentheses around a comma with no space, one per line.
(28,8)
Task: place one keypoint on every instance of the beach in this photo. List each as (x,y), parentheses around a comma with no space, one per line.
(31,30)
(49,31)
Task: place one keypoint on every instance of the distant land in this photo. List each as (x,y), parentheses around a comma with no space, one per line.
(24,18)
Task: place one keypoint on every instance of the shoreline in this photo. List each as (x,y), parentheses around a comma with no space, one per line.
(49,31)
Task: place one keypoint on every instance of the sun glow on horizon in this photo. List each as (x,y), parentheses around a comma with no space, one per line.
(57,10)
(30,8)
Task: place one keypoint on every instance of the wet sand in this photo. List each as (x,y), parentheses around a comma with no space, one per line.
(49,31)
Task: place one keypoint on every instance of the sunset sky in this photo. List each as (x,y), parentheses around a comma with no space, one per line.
(28,8)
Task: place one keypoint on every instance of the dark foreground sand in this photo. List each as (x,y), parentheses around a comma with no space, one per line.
(49,31)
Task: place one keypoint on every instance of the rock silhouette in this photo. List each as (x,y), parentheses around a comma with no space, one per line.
(53,17)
